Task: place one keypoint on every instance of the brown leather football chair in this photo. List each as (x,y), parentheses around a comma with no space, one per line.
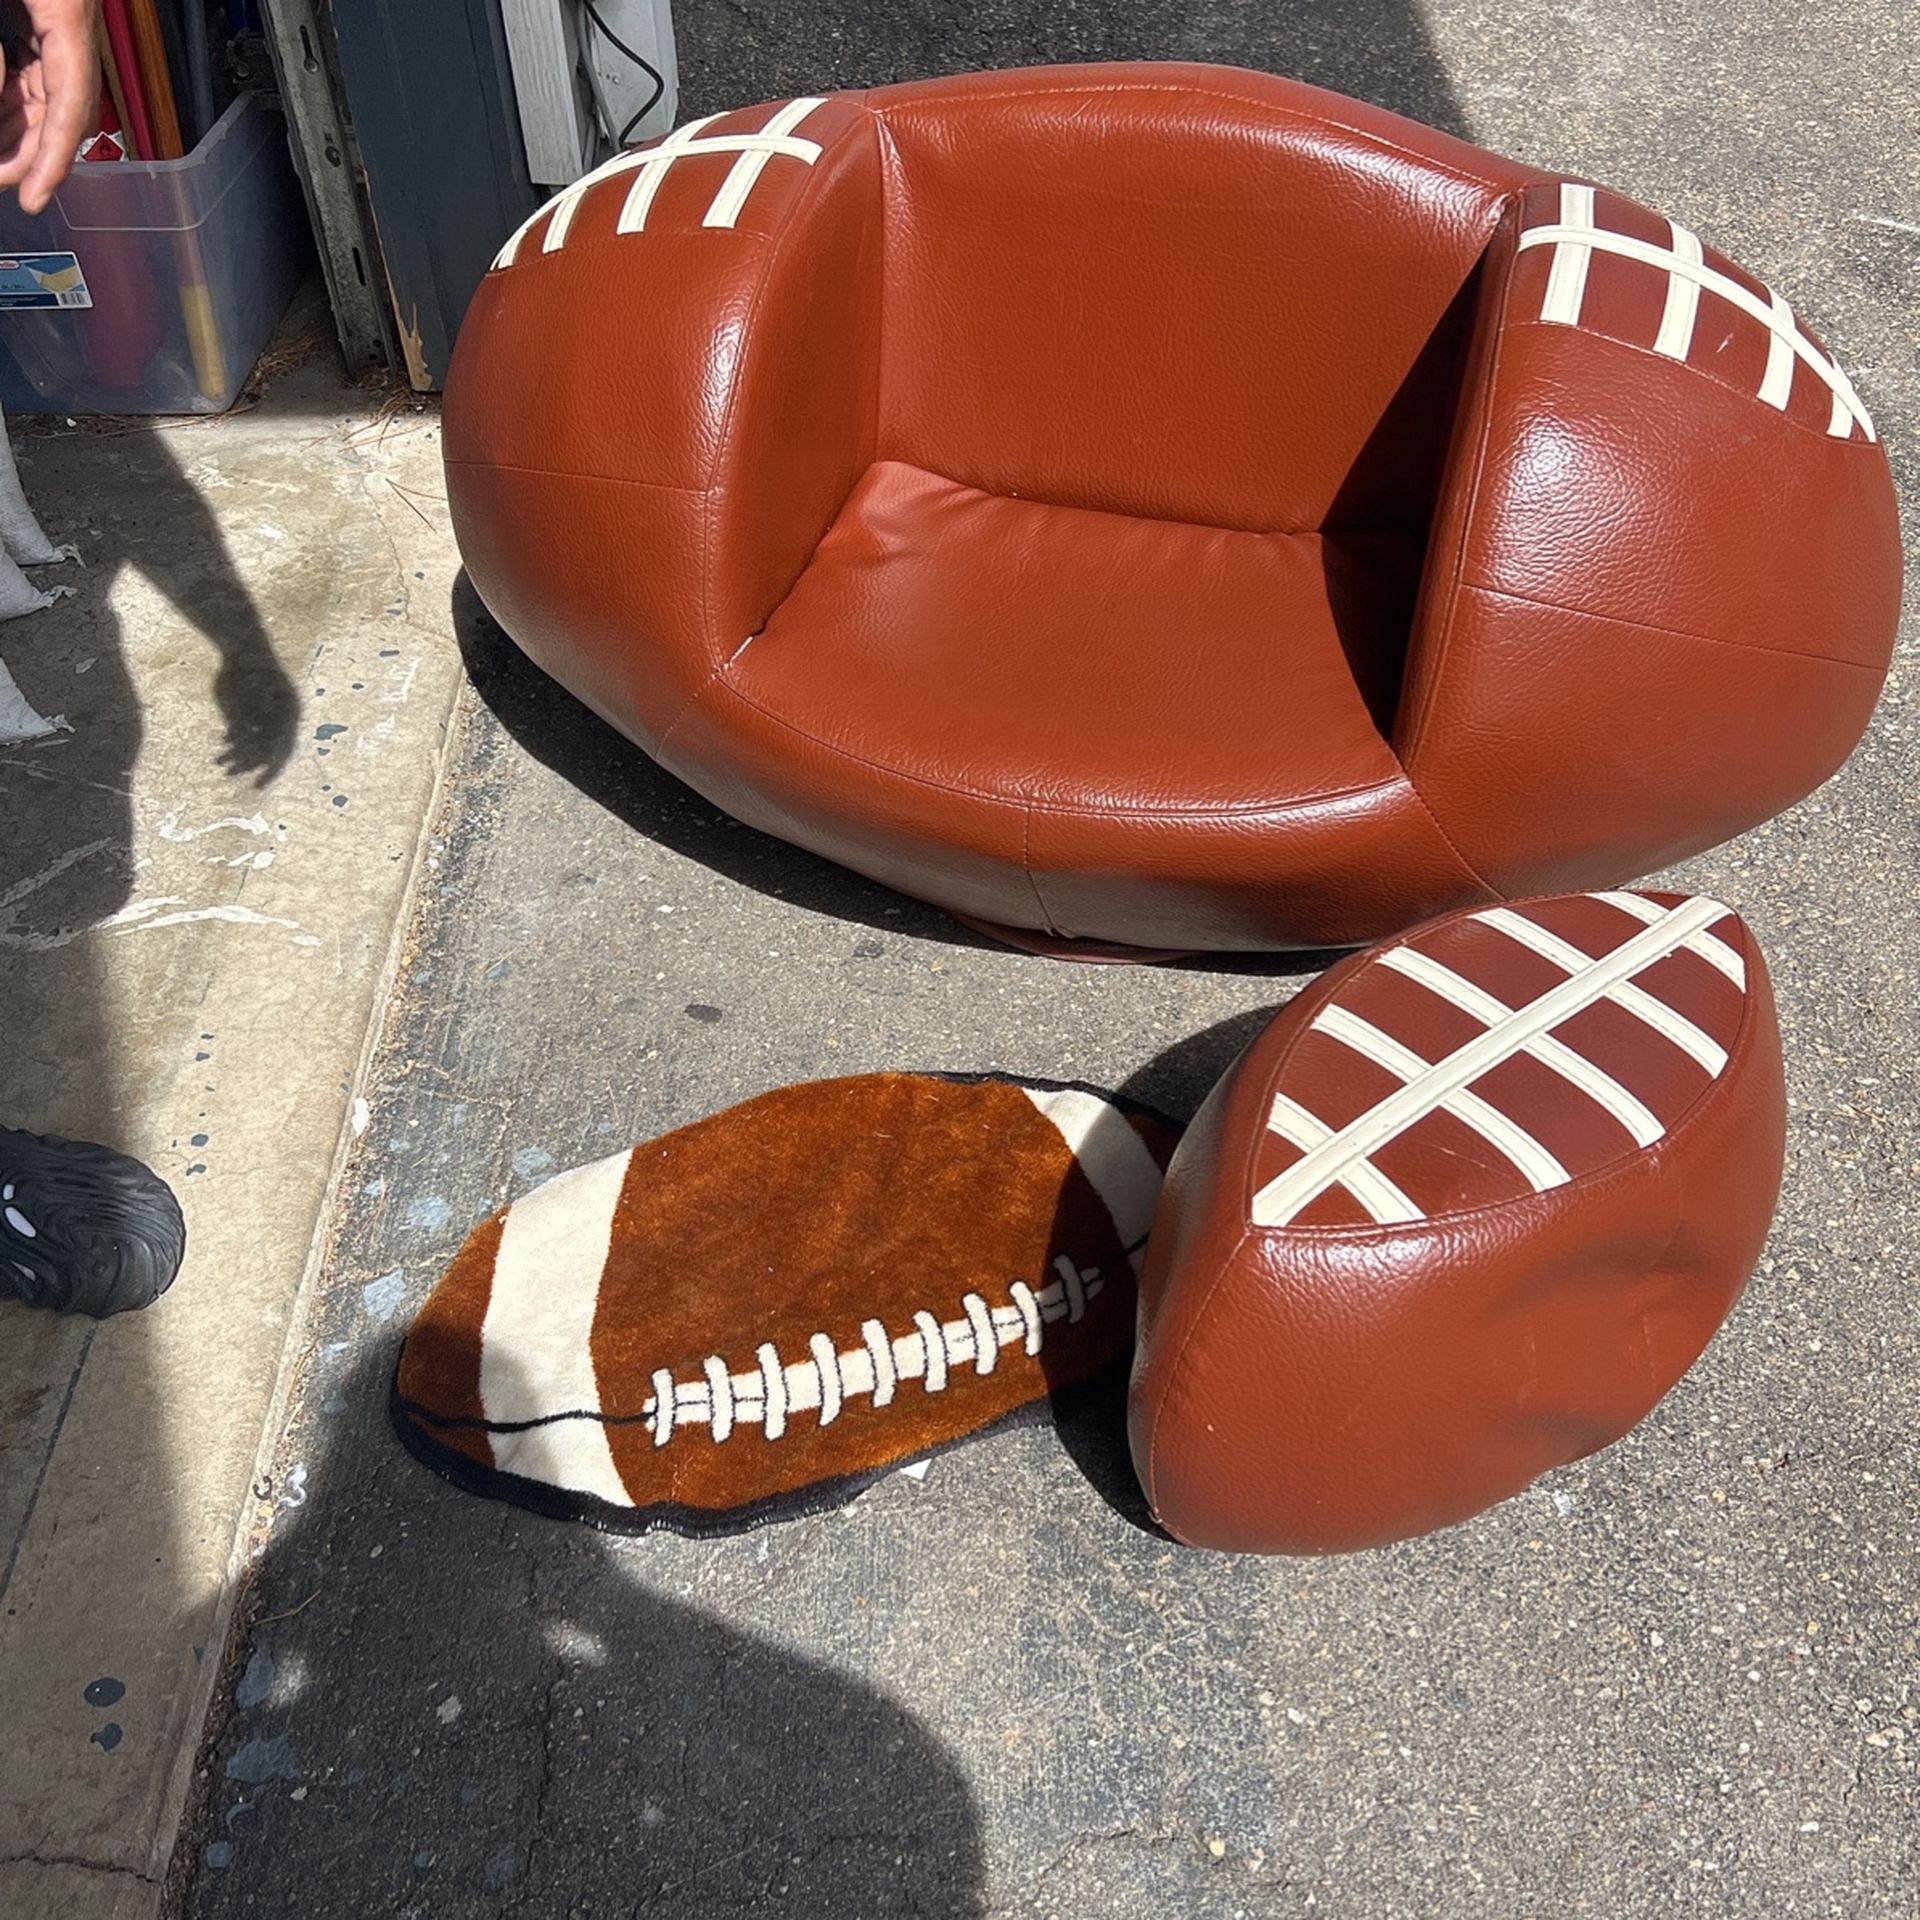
(1171,506)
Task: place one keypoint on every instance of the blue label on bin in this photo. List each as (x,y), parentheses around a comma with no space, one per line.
(42,280)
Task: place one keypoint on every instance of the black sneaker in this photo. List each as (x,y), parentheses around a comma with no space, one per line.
(84,1229)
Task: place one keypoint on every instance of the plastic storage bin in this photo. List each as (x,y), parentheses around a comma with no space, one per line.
(187,265)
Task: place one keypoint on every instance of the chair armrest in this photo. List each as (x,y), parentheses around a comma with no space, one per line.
(1661,592)
(662,394)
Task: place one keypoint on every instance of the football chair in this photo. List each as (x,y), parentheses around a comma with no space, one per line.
(1165,507)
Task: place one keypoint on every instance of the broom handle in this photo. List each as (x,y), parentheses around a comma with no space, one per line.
(123,64)
(156,82)
(115,91)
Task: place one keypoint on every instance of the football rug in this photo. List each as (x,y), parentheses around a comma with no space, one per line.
(763,1313)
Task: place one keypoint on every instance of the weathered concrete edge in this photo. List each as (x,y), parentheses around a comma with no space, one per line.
(169,1866)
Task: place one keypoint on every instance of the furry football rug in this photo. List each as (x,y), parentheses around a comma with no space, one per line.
(763,1313)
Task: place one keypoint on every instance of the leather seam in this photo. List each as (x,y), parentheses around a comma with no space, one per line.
(810,192)
(573,473)
(1026,801)
(1144,519)
(1295,116)
(887,159)
(1253,810)
(1456,565)
(1420,720)
(1026,867)
(709,640)
(1656,1261)
(685,708)
(1676,633)
(1179,1362)
(1590,332)
(775,246)
(1467,867)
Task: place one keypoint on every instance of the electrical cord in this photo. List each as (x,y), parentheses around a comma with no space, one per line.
(645,65)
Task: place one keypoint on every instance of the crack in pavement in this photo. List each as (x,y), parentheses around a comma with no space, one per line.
(73,1860)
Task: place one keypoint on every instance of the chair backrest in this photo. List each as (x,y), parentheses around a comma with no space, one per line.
(1179,292)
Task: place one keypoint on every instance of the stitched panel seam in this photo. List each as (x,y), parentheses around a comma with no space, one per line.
(812,190)
(1444,632)
(888,160)
(1026,864)
(1443,638)
(1676,633)
(1346,534)
(573,473)
(1019,799)
(1275,110)
(1466,866)
(1178,1365)
(1589,331)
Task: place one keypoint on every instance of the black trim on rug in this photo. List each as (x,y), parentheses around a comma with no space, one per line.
(719,1523)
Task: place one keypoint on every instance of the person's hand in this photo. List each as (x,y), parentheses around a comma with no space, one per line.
(51,97)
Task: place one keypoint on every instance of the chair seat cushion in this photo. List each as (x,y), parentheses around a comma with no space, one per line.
(1085,720)
(1051,658)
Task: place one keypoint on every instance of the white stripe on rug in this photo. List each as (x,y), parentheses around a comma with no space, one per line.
(536,1344)
(1112,1156)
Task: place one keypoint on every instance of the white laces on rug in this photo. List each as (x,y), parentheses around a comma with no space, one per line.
(830,1376)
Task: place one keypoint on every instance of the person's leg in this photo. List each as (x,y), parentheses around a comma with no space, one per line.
(84,1229)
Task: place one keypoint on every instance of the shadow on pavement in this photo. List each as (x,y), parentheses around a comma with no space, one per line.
(67,861)
(1179,1077)
(504,1718)
(66,852)
(94,1503)
(550,725)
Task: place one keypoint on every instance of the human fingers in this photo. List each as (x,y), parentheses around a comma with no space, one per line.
(18,138)
(70,74)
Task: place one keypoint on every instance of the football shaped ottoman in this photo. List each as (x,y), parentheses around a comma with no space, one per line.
(1171,507)
(1463,1213)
